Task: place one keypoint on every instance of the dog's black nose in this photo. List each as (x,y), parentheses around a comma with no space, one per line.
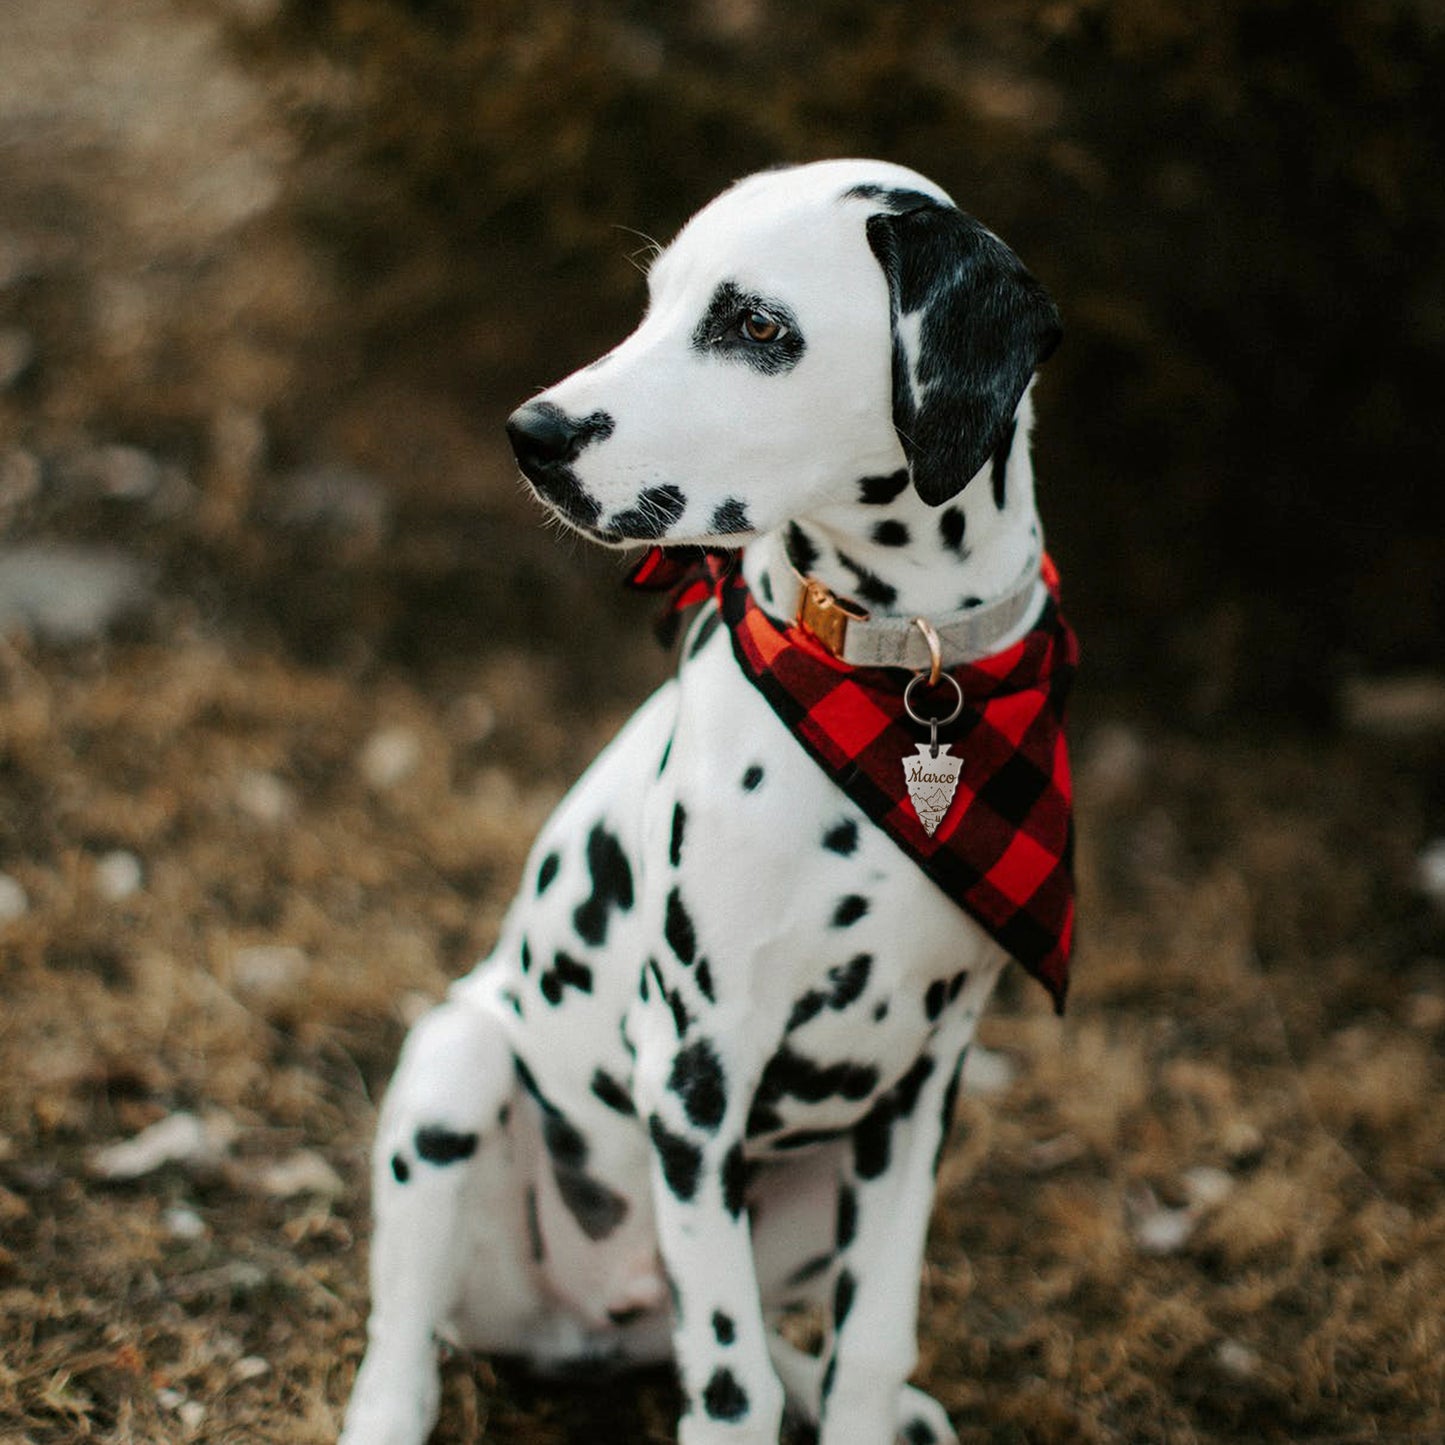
(543,435)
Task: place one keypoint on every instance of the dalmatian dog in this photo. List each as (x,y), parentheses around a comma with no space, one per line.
(706,1074)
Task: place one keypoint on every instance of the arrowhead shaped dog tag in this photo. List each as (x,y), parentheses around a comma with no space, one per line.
(932,778)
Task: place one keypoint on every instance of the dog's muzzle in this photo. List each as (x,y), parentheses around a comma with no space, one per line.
(547,442)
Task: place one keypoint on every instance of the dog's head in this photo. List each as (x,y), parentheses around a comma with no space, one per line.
(810,327)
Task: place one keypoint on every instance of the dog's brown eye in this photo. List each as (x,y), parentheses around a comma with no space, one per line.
(760,327)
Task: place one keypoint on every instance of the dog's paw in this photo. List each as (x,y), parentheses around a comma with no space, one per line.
(385,1423)
(391,1411)
(922,1421)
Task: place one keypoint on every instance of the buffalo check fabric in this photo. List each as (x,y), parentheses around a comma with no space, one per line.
(1004,850)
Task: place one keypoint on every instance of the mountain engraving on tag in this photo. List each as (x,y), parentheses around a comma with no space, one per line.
(932,782)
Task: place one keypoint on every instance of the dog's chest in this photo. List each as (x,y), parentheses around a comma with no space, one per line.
(706,864)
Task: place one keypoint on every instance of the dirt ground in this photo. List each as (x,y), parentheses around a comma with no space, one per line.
(1205,1206)
(264,800)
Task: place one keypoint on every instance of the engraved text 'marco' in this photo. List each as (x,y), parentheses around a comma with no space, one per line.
(932,778)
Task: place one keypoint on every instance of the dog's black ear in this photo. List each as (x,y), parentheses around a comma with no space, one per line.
(970,325)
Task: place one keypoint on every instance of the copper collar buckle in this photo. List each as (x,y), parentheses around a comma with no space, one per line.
(826,615)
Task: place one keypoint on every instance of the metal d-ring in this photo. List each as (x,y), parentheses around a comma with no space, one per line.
(935,649)
(933,723)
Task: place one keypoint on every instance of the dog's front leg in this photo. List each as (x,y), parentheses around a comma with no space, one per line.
(694,1094)
(887,1205)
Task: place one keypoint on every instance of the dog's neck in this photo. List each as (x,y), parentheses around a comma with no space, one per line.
(902,557)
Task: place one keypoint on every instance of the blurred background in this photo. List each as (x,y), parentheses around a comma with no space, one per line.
(290,670)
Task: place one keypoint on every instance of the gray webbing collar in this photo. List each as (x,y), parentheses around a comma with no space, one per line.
(856,637)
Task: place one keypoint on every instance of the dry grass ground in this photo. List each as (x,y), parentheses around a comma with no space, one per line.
(245,840)
(1207,1207)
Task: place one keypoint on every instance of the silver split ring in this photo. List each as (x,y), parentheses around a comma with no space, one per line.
(932,721)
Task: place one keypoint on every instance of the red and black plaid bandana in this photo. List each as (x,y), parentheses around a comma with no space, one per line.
(1004,850)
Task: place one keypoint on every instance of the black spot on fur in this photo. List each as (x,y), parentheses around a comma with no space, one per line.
(904,1094)
(611,1093)
(849,910)
(879,491)
(935,998)
(801,551)
(656,510)
(440,1145)
(790,1075)
(891,533)
(534,1228)
(919,1432)
(698,1079)
(798,1429)
(848,982)
(672,998)
(752,778)
(830,1374)
(666,754)
(703,975)
(723,1398)
(847,1216)
(844,1290)
(806,1008)
(597,1209)
(969,603)
(730,516)
(896,198)
(842,838)
(547,872)
(955,985)
(526,954)
(573,974)
(735,1180)
(679,826)
(868,585)
(627,1316)
(810,1269)
(950,1107)
(681,1159)
(681,1019)
(528,1081)
(723,1329)
(952,524)
(873,1135)
(564,1140)
(804,1139)
(873,1144)
(880,1011)
(678,928)
(611,886)
(566,972)
(999,472)
(763,1119)
(765,586)
(400,1169)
